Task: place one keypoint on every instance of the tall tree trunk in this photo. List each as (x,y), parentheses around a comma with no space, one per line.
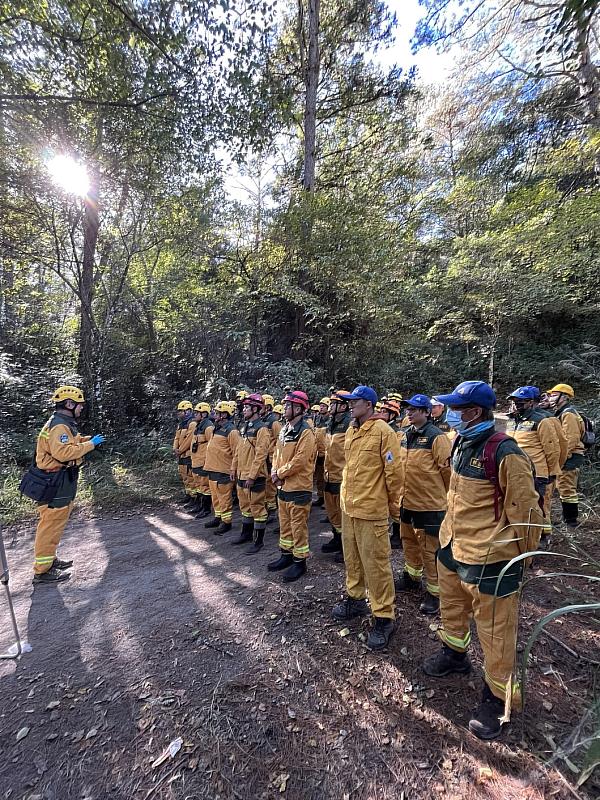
(310,106)
(91,223)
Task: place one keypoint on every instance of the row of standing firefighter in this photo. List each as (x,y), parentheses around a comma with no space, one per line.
(463,500)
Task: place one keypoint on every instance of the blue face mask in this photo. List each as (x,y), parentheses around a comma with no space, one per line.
(454,420)
(471,433)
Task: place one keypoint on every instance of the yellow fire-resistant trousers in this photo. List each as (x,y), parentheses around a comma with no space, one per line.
(496,622)
(420,550)
(367,551)
(221,500)
(47,536)
(271,495)
(567,486)
(253,506)
(200,485)
(293,528)
(187,478)
(334,510)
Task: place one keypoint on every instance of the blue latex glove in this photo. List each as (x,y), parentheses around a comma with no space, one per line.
(97,439)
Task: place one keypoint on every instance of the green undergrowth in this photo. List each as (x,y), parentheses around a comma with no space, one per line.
(107,482)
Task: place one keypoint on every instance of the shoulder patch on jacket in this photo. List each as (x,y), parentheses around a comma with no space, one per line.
(389,456)
(64,438)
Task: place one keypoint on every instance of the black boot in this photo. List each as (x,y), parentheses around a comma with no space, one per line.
(246,533)
(189,501)
(205,507)
(395,539)
(380,633)
(570,514)
(431,604)
(257,544)
(284,560)
(324,520)
(333,545)
(296,571)
(214,523)
(445,662)
(339,557)
(52,575)
(406,583)
(485,722)
(349,608)
(224,527)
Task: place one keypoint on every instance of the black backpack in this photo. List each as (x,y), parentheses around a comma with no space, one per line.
(589,435)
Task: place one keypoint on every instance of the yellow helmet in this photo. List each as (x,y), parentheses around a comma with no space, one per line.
(324,401)
(315,407)
(241,395)
(185,405)
(268,400)
(68,393)
(378,406)
(224,406)
(202,407)
(563,388)
(394,396)
(278,409)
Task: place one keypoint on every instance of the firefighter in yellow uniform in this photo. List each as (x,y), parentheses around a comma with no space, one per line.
(561,401)
(219,458)
(320,420)
(339,421)
(249,469)
(292,473)
(536,434)
(425,462)
(542,404)
(271,418)
(278,412)
(60,449)
(369,496)
(492,504)
(390,411)
(200,439)
(182,444)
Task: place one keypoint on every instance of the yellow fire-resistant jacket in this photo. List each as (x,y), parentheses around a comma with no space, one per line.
(425,468)
(536,435)
(573,428)
(321,436)
(59,444)
(221,448)
(371,479)
(470,524)
(183,437)
(250,459)
(335,456)
(294,457)
(202,435)
(274,426)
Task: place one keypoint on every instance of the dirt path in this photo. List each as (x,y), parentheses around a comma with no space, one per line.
(167,631)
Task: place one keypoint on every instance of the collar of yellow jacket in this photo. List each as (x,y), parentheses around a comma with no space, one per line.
(366,425)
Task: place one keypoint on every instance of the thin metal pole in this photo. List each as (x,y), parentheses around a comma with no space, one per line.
(4,578)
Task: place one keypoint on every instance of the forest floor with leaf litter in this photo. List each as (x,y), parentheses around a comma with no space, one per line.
(166,631)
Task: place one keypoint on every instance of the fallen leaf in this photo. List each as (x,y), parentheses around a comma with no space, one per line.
(52,705)
(548,705)
(22,733)
(309,587)
(404,651)
(312,742)
(344,632)
(485,773)
(51,737)
(291,713)
(262,707)
(429,693)
(91,733)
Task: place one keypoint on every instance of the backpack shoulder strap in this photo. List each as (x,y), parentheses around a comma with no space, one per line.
(490,467)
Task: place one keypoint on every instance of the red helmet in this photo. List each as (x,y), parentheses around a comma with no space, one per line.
(254,399)
(300,398)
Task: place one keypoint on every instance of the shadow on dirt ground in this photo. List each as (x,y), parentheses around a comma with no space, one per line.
(166,630)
